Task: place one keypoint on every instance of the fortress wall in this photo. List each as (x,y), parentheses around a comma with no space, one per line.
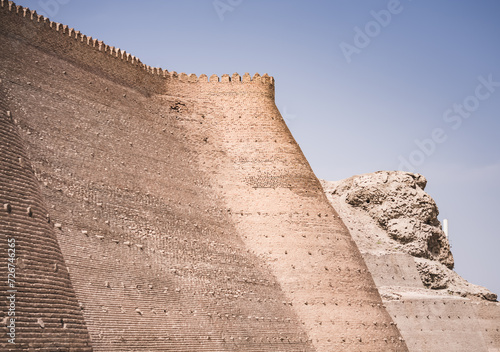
(118,65)
(430,322)
(185,86)
(488,315)
(154,256)
(59,40)
(445,325)
(393,270)
(284,218)
(185,204)
(46,311)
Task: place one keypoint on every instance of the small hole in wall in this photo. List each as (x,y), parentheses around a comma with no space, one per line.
(367,201)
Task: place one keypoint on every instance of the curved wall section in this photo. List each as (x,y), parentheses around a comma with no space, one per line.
(284,218)
(40,297)
(189,218)
(154,257)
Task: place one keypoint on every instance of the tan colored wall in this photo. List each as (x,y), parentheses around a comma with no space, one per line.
(393,270)
(428,320)
(284,218)
(46,311)
(190,218)
(154,258)
(436,324)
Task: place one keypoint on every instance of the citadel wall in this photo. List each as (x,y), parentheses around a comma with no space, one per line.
(190,219)
(428,320)
(116,64)
(283,216)
(39,308)
(145,240)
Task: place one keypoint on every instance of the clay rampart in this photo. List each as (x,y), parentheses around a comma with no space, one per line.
(283,216)
(155,261)
(185,203)
(38,305)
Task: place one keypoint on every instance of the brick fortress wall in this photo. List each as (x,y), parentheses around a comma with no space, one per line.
(44,308)
(283,217)
(190,219)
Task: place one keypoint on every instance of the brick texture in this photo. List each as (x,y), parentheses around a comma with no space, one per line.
(47,314)
(190,219)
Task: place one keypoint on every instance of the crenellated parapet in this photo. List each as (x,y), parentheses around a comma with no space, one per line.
(225,78)
(11,7)
(122,55)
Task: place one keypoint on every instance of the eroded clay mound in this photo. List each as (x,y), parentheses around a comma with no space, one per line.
(397,202)
(392,209)
(436,276)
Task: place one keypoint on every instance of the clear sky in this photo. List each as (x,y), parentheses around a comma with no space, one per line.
(363,85)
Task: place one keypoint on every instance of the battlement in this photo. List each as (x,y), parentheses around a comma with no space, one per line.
(203,78)
(98,45)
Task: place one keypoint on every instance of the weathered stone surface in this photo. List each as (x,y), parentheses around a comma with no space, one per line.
(398,203)
(409,258)
(433,275)
(437,276)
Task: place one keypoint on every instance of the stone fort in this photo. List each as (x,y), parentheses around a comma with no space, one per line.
(156,211)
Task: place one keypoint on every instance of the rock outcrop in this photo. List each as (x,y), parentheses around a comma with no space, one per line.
(397,203)
(394,223)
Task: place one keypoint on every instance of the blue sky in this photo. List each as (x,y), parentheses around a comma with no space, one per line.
(362,85)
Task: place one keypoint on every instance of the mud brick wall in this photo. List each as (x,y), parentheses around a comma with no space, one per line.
(282,215)
(153,256)
(393,270)
(60,40)
(488,315)
(447,325)
(187,215)
(47,314)
(431,322)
